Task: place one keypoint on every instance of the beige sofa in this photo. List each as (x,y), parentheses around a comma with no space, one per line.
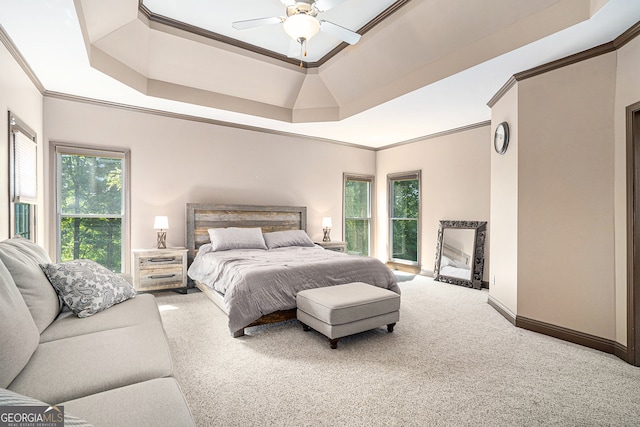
(111,369)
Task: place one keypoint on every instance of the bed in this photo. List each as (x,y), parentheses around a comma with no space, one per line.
(256,285)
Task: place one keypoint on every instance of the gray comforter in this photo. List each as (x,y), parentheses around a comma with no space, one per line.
(257,282)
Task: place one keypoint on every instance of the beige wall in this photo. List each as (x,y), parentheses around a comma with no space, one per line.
(455,185)
(565,197)
(504,207)
(175,161)
(18,95)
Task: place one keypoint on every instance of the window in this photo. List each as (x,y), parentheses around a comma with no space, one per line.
(92,205)
(357,213)
(23,179)
(404,215)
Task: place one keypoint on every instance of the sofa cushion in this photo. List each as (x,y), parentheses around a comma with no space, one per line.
(137,311)
(70,368)
(86,287)
(22,258)
(10,398)
(158,402)
(18,332)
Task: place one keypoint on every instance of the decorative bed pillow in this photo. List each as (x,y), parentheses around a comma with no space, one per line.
(224,239)
(86,286)
(281,239)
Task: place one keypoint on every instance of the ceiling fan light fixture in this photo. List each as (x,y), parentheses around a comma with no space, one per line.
(301,26)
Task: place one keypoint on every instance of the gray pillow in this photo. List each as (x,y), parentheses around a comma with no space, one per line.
(19,335)
(22,258)
(11,398)
(281,239)
(224,239)
(86,287)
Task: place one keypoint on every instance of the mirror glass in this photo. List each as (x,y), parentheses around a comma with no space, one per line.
(460,253)
(457,250)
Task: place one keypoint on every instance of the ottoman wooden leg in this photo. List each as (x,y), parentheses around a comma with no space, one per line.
(390,327)
(305,328)
(333,343)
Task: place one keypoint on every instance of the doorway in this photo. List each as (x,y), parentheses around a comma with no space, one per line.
(633,234)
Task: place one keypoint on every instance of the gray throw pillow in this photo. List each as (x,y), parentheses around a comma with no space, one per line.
(86,287)
(283,239)
(224,239)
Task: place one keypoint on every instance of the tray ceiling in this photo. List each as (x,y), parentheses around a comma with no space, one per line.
(428,67)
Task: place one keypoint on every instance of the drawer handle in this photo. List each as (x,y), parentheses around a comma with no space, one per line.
(162,276)
(162,259)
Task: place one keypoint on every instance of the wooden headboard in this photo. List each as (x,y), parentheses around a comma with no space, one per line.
(202,216)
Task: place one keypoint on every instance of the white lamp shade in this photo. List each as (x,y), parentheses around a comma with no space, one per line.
(326,222)
(161,223)
(301,26)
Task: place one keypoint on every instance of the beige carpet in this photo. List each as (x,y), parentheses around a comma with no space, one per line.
(451,361)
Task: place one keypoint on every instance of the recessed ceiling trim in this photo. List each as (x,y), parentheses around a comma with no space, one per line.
(437,135)
(191,118)
(596,51)
(164,20)
(17,56)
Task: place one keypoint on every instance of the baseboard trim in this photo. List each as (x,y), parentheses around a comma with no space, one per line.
(565,334)
(504,311)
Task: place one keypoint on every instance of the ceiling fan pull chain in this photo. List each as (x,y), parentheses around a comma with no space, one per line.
(301,52)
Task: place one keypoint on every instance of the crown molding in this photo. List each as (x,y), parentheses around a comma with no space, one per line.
(179,116)
(603,49)
(214,122)
(437,135)
(17,56)
(500,93)
(164,20)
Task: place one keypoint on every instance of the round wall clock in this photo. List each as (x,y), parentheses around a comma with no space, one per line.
(501,138)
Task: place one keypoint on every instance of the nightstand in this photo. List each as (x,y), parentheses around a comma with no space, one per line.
(334,246)
(159,269)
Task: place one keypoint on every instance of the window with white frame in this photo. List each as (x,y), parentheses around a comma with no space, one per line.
(358,190)
(404,217)
(23,179)
(92,205)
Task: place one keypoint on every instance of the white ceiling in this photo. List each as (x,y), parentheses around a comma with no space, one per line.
(217,16)
(49,36)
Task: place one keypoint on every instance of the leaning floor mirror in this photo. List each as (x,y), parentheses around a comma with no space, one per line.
(460,253)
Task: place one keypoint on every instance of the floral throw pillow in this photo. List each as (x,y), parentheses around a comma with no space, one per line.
(86,287)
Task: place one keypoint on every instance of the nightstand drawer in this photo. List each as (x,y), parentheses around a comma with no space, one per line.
(154,261)
(161,279)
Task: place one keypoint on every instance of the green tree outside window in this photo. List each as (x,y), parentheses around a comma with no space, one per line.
(357,213)
(404,214)
(91,206)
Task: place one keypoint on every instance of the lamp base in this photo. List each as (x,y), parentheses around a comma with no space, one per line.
(162,240)
(326,237)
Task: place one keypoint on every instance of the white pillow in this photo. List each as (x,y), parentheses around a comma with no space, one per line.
(224,239)
(86,287)
(281,239)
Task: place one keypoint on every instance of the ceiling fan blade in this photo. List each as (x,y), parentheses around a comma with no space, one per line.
(324,5)
(252,23)
(339,32)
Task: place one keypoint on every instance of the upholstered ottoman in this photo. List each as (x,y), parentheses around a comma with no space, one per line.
(341,310)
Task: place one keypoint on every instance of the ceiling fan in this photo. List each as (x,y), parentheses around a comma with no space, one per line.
(301,23)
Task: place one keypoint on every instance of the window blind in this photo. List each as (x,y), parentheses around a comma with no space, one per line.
(25,161)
